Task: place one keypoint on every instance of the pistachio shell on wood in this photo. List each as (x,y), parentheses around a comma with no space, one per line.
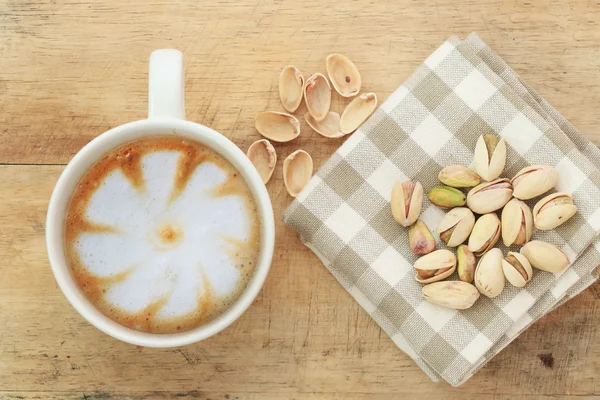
(343,74)
(277,126)
(291,87)
(329,127)
(263,156)
(357,112)
(317,95)
(297,171)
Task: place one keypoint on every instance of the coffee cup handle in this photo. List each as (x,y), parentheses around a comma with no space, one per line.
(165,85)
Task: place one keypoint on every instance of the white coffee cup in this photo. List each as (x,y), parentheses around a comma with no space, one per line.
(166,115)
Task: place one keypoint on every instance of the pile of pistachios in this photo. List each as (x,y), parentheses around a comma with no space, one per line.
(460,226)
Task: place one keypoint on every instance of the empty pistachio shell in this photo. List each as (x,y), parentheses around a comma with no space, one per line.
(489,196)
(451,294)
(490,156)
(407,200)
(357,112)
(545,256)
(329,127)
(435,266)
(458,176)
(446,197)
(533,181)
(517,269)
(553,210)
(277,126)
(485,234)
(291,86)
(517,223)
(456,226)
(420,239)
(297,171)
(317,95)
(343,75)
(263,156)
(465,263)
(489,276)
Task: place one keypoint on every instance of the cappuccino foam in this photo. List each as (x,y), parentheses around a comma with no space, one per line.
(162,234)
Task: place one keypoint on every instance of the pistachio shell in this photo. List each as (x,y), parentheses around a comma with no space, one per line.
(291,86)
(317,95)
(545,256)
(456,226)
(517,269)
(435,266)
(420,239)
(533,181)
(446,197)
(406,202)
(458,176)
(297,171)
(485,234)
(343,75)
(517,223)
(451,294)
(489,276)
(263,156)
(329,127)
(489,196)
(553,210)
(357,112)
(277,126)
(490,157)
(465,263)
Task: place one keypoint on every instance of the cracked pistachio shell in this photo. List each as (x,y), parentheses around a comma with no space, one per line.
(263,156)
(277,126)
(435,266)
(456,226)
(485,234)
(533,181)
(446,197)
(451,294)
(489,196)
(406,202)
(297,171)
(420,239)
(490,156)
(357,112)
(317,95)
(553,210)
(489,276)
(343,74)
(458,176)
(465,263)
(329,127)
(517,269)
(545,256)
(517,223)
(291,86)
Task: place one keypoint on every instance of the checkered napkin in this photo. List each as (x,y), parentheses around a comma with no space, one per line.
(463,90)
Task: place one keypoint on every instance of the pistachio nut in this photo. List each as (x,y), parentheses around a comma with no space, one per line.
(490,156)
(458,176)
(517,223)
(435,266)
(489,196)
(533,180)
(420,239)
(407,200)
(489,277)
(517,269)
(545,256)
(465,263)
(485,234)
(451,294)
(553,210)
(446,197)
(456,226)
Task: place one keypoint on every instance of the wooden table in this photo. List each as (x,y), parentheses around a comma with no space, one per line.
(71,69)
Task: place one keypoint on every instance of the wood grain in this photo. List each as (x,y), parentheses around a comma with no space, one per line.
(71,69)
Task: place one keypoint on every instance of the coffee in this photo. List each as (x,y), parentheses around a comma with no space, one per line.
(162,234)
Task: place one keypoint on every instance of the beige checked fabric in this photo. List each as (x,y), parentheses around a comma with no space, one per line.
(462,90)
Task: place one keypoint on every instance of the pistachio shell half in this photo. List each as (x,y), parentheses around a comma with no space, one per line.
(435,266)
(545,256)
(490,156)
(297,171)
(343,75)
(489,196)
(329,127)
(458,176)
(406,202)
(489,276)
(357,112)
(456,226)
(446,197)
(553,210)
(451,294)
(517,269)
(420,239)
(263,156)
(485,234)
(533,181)
(291,86)
(517,223)
(317,95)
(465,263)
(277,126)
